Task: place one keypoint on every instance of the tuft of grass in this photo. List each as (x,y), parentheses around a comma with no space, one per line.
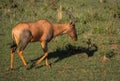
(110,54)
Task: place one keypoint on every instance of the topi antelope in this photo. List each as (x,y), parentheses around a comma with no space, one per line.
(41,30)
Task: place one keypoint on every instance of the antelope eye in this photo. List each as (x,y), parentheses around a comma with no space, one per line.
(73,25)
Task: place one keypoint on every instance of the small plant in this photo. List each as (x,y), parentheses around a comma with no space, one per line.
(110,54)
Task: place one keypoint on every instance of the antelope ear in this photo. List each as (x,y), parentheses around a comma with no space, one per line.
(72,23)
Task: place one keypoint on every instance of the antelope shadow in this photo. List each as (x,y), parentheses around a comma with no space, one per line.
(68,51)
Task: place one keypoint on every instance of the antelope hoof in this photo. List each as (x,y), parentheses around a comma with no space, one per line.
(49,66)
(26,66)
(11,68)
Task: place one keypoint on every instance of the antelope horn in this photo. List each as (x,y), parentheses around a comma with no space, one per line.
(72,18)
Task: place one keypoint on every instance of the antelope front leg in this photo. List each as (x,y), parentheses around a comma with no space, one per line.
(41,59)
(47,64)
(44,47)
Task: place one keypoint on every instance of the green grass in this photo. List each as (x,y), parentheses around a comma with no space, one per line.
(70,61)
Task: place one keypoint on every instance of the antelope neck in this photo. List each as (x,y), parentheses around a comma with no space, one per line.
(59,29)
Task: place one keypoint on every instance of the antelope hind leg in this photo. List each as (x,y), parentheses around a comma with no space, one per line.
(22,58)
(13,49)
(25,38)
(12,60)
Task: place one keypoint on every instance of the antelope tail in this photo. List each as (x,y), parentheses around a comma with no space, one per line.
(14,41)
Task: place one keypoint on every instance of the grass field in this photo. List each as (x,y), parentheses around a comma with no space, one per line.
(97,24)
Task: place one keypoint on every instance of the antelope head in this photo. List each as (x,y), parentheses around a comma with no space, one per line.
(71,31)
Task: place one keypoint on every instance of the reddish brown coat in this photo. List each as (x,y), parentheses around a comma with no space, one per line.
(42,31)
